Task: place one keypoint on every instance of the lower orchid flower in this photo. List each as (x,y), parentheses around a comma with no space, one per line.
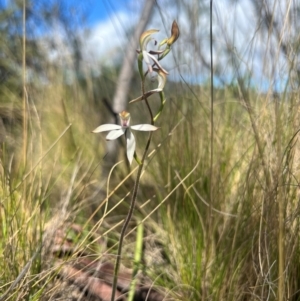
(117,131)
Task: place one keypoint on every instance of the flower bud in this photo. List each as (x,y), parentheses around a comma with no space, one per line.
(174,34)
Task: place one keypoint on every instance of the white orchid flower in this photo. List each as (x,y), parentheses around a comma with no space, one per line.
(118,130)
(147,56)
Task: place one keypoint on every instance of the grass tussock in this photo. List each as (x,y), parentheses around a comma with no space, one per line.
(225,249)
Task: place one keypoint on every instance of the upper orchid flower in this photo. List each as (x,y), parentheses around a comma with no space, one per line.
(146,56)
(118,130)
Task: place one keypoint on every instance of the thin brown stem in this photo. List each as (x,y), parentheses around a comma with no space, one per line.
(280,201)
(24,84)
(211,114)
(133,201)
(211,188)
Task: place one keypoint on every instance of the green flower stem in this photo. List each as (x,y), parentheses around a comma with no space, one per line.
(137,259)
(133,201)
(162,104)
(140,65)
(136,158)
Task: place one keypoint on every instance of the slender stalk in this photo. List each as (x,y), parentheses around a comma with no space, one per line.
(211,197)
(211,111)
(24,98)
(24,84)
(133,201)
(280,200)
(137,259)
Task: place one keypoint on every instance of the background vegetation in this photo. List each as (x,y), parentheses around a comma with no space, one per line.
(218,226)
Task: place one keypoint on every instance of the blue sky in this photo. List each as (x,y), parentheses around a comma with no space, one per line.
(99,10)
(103,9)
(110,21)
(96,10)
(234,21)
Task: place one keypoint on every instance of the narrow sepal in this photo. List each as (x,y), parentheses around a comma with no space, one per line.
(112,135)
(106,127)
(130,145)
(146,95)
(144,127)
(144,39)
(156,62)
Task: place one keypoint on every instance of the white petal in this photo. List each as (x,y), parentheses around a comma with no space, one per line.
(115,134)
(156,52)
(106,127)
(147,61)
(144,127)
(146,57)
(156,62)
(130,143)
(161,80)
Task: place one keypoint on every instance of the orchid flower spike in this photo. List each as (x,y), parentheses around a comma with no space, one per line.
(147,56)
(162,78)
(118,130)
